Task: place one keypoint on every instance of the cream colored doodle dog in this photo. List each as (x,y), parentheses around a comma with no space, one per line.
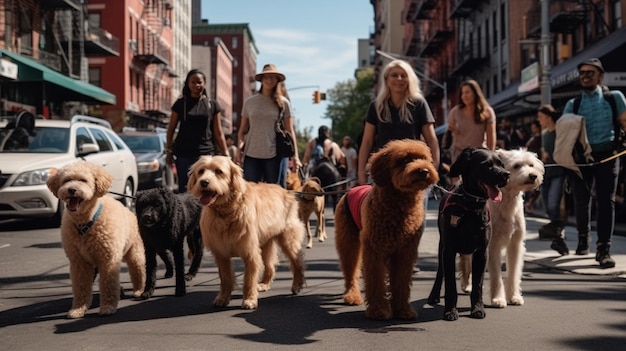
(247,220)
(97,232)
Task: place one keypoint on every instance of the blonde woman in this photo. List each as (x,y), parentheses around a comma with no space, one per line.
(472,122)
(398,112)
(257,134)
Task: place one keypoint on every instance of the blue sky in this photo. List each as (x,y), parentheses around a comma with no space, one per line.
(311,42)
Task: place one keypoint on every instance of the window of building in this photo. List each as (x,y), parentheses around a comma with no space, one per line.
(495,83)
(94,20)
(235,98)
(95,76)
(235,62)
(617,14)
(503,21)
(235,42)
(600,27)
(487,37)
(494,29)
(235,80)
(216,40)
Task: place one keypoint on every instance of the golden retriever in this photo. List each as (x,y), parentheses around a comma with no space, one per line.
(308,203)
(246,219)
(97,232)
(379,227)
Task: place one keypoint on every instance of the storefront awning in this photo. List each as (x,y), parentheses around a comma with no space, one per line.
(32,71)
(567,72)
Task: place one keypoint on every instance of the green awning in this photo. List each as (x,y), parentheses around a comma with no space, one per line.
(33,71)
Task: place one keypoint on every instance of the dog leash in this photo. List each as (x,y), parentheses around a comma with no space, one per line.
(123,195)
(590,164)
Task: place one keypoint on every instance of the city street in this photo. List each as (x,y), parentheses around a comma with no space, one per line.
(570,304)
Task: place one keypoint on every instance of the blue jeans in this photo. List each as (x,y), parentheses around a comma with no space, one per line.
(183,164)
(282,175)
(261,170)
(604,176)
(551,193)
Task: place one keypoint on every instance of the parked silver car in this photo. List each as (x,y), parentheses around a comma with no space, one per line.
(26,165)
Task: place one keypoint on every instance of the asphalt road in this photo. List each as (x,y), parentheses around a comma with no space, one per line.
(563,310)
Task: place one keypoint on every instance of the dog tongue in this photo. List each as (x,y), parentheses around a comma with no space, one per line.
(494,193)
(72,203)
(207,199)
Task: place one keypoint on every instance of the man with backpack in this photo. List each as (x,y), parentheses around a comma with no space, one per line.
(600,110)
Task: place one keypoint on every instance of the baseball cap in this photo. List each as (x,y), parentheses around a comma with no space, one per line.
(592,62)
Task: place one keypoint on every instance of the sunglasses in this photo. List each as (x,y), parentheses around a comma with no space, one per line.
(589,73)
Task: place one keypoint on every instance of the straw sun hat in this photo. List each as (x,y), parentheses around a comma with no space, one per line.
(270,69)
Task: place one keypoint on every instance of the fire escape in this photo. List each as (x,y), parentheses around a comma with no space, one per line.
(67,37)
(154,55)
(468,55)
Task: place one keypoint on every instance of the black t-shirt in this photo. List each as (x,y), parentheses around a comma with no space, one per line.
(396,130)
(195,126)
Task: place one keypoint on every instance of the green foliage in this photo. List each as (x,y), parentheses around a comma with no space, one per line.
(347,105)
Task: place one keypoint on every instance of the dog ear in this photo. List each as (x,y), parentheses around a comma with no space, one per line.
(317,180)
(380,166)
(53,181)
(459,166)
(237,182)
(191,175)
(103,180)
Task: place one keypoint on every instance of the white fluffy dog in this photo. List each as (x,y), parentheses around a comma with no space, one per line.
(509,228)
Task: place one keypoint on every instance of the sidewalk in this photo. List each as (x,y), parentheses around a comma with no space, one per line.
(539,252)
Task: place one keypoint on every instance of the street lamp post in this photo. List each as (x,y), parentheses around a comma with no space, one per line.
(546,94)
(443,86)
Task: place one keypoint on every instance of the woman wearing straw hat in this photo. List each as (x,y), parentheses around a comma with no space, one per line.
(257,135)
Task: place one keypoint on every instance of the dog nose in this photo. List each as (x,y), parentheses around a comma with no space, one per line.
(204,183)
(532,177)
(72,191)
(423,173)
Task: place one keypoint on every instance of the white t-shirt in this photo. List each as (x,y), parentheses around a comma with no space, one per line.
(351,156)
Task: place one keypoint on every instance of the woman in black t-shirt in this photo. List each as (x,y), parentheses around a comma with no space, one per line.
(199,127)
(399,112)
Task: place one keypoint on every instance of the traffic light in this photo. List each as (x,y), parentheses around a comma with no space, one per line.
(317,97)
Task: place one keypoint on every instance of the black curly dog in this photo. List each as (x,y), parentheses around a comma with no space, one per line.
(465,226)
(165,220)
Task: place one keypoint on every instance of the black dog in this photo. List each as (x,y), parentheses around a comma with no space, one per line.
(328,175)
(465,226)
(165,220)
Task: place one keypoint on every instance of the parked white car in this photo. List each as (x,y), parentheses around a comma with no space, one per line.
(25,166)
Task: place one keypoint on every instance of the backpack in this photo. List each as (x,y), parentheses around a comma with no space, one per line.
(617,132)
(318,152)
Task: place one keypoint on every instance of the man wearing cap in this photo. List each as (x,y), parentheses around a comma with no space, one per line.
(599,121)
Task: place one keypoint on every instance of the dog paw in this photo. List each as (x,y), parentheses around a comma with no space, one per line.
(309,245)
(221,301)
(168,274)
(433,300)
(516,301)
(76,313)
(478,312)
(180,292)
(107,310)
(466,288)
(322,238)
(189,277)
(262,287)
(250,304)
(296,288)
(378,314)
(352,299)
(451,315)
(146,295)
(498,302)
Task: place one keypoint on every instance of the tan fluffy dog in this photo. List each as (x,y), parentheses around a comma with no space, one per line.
(309,203)
(97,232)
(392,217)
(246,219)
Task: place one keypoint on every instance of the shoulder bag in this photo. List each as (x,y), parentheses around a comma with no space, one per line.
(284,142)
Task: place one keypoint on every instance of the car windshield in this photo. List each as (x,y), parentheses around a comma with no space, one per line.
(53,140)
(143,144)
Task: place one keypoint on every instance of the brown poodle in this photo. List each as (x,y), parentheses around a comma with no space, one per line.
(247,220)
(97,232)
(379,232)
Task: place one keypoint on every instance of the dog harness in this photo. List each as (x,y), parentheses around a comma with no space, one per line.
(480,206)
(84,228)
(354,199)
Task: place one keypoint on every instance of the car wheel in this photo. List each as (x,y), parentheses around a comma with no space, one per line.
(128,198)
